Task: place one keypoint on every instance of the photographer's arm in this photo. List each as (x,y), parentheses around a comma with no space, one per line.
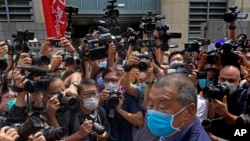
(126,84)
(46,48)
(134,118)
(52,106)
(111,55)
(73,78)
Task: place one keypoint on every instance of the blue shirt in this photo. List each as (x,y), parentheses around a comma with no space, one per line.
(120,128)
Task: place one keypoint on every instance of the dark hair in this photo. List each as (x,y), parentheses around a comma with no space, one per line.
(88,82)
(174,53)
(111,69)
(186,89)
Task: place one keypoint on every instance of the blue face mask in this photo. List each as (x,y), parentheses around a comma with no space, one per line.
(204,83)
(11,103)
(142,87)
(161,124)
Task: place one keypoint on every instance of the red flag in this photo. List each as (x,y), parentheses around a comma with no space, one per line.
(55,17)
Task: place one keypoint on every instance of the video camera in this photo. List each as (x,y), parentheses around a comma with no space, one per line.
(111,11)
(150,22)
(150,42)
(19,44)
(132,32)
(97,45)
(165,36)
(195,45)
(218,91)
(233,14)
(32,85)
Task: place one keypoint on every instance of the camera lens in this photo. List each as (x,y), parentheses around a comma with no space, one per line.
(98,128)
(143,65)
(207,124)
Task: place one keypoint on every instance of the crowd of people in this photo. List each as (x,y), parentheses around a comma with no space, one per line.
(115,99)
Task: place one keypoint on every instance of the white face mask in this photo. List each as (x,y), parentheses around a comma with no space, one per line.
(233,87)
(90,103)
(111,86)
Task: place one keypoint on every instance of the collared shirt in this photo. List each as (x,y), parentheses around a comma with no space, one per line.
(179,136)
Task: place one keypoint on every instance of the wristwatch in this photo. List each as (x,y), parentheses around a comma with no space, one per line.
(127,68)
(75,83)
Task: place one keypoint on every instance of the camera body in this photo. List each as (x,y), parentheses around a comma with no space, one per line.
(143,64)
(151,22)
(55,43)
(39,59)
(210,125)
(67,58)
(234,14)
(66,101)
(51,133)
(40,85)
(218,91)
(114,97)
(147,43)
(14,47)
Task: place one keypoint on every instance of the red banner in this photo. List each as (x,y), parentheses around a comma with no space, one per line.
(55,17)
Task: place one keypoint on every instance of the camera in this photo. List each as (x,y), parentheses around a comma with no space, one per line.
(66,101)
(55,43)
(165,36)
(111,11)
(150,22)
(67,58)
(39,59)
(114,97)
(195,45)
(14,47)
(30,126)
(233,14)
(40,85)
(96,51)
(210,125)
(218,91)
(98,128)
(147,43)
(143,64)
(132,32)
(51,133)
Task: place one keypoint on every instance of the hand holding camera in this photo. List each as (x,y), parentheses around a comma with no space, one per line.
(3,49)
(52,106)
(8,134)
(24,60)
(85,128)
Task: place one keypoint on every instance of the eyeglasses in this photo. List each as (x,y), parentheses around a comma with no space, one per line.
(111,80)
(89,94)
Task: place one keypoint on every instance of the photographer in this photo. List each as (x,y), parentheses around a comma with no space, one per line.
(231,105)
(122,109)
(86,121)
(138,92)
